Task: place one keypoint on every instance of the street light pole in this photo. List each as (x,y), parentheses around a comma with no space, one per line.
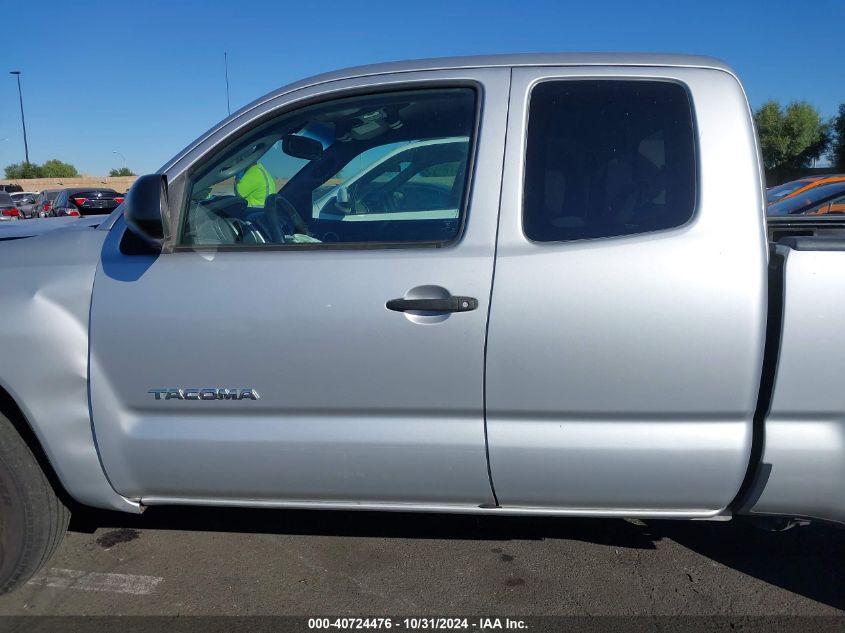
(23,121)
(226,66)
(121,155)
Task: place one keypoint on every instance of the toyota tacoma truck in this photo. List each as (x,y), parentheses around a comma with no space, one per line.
(532,284)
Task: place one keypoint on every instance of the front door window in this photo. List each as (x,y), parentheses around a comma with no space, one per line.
(388,168)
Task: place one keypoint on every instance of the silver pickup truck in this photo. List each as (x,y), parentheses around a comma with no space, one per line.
(524,284)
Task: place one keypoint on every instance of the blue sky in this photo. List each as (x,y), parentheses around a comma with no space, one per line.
(146,77)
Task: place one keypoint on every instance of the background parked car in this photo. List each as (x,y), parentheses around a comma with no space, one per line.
(82,201)
(820,200)
(11,188)
(44,203)
(773,194)
(25,201)
(8,210)
(817,182)
(419,178)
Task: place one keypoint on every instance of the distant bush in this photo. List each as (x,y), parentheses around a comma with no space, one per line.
(123,171)
(23,170)
(53,168)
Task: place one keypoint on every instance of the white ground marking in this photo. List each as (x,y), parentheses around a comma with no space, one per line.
(96,581)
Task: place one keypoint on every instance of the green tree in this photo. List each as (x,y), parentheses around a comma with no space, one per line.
(773,142)
(54,168)
(837,151)
(16,171)
(791,137)
(123,171)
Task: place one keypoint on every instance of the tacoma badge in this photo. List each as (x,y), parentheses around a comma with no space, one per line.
(206,393)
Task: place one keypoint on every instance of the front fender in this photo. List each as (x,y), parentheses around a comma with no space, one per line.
(45,296)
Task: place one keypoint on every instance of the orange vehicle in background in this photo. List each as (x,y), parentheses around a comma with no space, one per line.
(773,194)
(827,180)
(837,206)
(824,200)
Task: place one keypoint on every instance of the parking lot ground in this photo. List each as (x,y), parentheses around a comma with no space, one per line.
(176,561)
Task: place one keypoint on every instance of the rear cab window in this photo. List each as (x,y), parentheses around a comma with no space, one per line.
(608,158)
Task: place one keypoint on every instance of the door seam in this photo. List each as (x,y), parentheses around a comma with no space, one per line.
(492,284)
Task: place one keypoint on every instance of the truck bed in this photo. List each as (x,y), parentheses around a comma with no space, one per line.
(802,469)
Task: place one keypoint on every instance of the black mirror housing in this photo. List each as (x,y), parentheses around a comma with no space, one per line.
(145,209)
(302,147)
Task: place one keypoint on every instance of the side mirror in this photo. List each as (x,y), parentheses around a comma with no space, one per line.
(145,209)
(302,147)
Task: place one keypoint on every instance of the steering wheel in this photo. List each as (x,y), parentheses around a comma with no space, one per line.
(242,159)
(276,226)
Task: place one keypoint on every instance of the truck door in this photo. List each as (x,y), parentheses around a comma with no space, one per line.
(628,310)
(317,336)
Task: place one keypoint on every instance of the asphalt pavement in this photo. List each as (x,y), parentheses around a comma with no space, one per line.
(173,561)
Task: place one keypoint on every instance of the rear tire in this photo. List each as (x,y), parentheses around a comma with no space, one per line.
(33,520)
